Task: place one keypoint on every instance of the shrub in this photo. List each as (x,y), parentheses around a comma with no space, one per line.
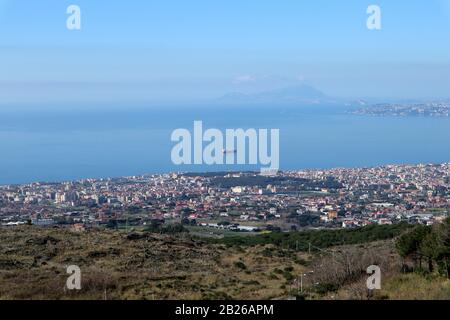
(240,265)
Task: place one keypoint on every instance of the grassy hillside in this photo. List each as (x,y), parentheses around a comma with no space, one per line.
(33,264)
(117,265)
(409,286)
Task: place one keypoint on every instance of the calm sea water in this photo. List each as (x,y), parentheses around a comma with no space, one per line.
(58,145)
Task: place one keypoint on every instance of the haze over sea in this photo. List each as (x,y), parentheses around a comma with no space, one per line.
(57,145)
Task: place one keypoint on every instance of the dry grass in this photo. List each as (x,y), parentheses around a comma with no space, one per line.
(415,287)
(33,264)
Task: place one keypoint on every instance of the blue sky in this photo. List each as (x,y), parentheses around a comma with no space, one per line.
(174,50)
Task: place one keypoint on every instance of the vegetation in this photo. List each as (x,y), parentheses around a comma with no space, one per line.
(137,265)
(320,239)
(258,180)
(404,272)
(429,243)
(165,262)
(414,286)
(166,229)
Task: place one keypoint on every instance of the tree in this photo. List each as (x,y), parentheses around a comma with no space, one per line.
(428,248)
(443,247)
(430,243)
(408,245)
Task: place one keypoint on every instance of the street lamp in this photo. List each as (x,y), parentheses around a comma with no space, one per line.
(301,281)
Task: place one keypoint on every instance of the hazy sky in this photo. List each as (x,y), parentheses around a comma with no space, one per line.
(181,50)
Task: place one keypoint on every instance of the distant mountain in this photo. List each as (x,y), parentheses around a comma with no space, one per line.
(303,94)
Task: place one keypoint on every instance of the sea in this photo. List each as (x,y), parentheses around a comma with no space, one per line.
(69,143)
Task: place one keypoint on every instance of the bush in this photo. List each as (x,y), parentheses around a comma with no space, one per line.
(240,265)
(167,229)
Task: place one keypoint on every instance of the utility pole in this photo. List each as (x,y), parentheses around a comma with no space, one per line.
(301,280)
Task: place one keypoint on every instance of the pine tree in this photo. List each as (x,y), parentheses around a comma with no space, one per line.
(443,247)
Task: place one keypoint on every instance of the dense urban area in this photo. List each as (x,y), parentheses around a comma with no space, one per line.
(243,202)
(429,109)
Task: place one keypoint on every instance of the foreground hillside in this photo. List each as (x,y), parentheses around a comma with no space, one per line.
(117,265)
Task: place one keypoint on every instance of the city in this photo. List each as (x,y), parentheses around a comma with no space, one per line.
(429,109)
(237,201)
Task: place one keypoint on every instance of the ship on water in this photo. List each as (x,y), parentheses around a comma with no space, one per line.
(225,151)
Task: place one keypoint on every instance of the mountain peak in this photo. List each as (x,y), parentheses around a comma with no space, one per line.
(301,94)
